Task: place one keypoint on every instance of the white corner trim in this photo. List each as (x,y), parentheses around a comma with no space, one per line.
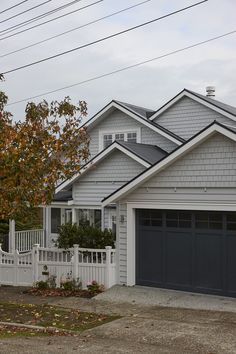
(101,156)
(131,246)
(135,116)
(195,98)
(169,160)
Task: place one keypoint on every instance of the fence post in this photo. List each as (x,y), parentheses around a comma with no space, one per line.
(75,269)
(0,262)
(12,236)
(35,262)
(108,267)
(16,263)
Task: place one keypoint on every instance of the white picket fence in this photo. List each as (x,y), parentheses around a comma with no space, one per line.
(76,263)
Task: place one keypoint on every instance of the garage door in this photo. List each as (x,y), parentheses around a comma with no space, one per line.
(186,250)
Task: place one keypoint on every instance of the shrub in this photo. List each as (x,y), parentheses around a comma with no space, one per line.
(42,285)
(95,288)
(84,236)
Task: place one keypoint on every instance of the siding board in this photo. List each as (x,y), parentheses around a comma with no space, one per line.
(187,117)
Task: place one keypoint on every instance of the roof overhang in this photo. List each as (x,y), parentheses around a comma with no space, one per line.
(115,105)
(186,93)
(198,139)
(99,157)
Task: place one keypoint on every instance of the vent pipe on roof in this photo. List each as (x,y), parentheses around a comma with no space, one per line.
(210,91)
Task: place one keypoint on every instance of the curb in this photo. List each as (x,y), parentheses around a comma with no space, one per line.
(38,328)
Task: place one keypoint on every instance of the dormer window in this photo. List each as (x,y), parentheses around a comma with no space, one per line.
(107,138)
(132,137)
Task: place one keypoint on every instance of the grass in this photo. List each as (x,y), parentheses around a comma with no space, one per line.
(47,316)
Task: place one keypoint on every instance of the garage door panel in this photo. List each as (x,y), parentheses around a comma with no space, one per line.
(149,267)
(231,264)
(208,261)
(178,258)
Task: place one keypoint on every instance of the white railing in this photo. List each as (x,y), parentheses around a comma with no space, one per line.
(24,240)
(76,263)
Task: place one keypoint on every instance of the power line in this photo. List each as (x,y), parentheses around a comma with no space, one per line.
(23,12)
(12,7)
(74,29)
(125,68)
(37,18)
(102,39)
(48,21)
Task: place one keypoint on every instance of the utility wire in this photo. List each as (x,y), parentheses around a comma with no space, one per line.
(12,7)
(53,19)
(101,39)
(23,12)
(37,18)
(74,29)
(124,69)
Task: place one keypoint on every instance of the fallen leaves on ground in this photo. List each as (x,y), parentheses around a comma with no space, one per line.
(61,292)
(50,316)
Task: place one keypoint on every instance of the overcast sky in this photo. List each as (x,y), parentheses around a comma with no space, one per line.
(149,85)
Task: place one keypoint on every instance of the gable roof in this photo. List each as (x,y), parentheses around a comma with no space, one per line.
(135,115)
(220,107)
(149,153)
(168,160)
(144,112)
(135,155)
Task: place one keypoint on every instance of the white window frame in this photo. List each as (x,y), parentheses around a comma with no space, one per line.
(113,132)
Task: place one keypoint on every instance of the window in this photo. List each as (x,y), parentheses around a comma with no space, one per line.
(119,137)
(231,221)
(90,217)
(108,138)
(208,220)
(178,219)
(132,137)
(55,219)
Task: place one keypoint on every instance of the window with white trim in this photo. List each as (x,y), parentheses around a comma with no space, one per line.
(109,138)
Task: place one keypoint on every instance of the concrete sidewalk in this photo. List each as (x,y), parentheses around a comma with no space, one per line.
(147,296)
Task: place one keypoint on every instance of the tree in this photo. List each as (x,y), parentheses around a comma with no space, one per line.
(37,152)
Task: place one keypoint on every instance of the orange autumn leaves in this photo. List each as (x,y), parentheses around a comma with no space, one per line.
(46,146)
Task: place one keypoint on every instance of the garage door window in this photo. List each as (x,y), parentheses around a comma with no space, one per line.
(231,221)
(151,218)
(204,220)
(178,219)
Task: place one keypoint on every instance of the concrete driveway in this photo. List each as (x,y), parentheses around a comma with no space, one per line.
(142,329)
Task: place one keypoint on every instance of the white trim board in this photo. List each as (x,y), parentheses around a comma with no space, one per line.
(135,116)
(191,144)
(186,93)
(100,157)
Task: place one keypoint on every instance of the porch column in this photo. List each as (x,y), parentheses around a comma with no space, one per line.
(12,236)
(74,219)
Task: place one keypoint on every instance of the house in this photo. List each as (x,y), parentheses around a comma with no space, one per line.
(166,181)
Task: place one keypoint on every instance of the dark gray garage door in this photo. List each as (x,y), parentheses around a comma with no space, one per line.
(186,250)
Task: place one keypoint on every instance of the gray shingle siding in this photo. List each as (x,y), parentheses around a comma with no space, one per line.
(187,117)
(104,178)
(212,164)
(119,120)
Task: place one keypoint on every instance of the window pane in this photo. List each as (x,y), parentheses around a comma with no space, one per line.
(97,218)
(132,137)
(107,140)
(84,217)
(120,137)
(172,223)
(55,219)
